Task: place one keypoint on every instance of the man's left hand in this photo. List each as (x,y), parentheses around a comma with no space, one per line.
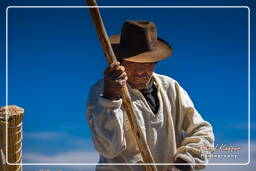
(181,167)
(173,168)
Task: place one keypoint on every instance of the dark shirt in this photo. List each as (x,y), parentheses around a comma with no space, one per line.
(150,94)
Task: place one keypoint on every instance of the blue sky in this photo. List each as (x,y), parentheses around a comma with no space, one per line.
(55,57)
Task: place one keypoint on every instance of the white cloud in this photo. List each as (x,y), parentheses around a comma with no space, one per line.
(54,138)
(44,135)
(240,126)
(79,156)
(58,148)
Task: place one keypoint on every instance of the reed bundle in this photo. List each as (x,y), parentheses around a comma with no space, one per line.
(11,138)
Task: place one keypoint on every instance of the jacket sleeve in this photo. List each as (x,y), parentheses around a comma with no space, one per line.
(106,122)
(199,139)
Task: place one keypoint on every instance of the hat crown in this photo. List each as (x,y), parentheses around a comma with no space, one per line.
(138,36)
(138,42)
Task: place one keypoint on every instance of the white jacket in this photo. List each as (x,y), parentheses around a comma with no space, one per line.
(177,130)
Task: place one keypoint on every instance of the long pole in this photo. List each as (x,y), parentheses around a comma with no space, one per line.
(133,118)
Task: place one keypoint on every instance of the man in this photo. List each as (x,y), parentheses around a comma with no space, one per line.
(174,130)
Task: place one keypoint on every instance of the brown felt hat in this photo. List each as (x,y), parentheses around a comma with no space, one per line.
(138,42)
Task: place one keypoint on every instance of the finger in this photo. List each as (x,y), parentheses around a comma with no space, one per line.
(122,82)
(112,67)
(122,76)
(116,72)
(114,64)
(173,169)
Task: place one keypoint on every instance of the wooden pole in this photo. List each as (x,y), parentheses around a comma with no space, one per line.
(12,151)
(133,118)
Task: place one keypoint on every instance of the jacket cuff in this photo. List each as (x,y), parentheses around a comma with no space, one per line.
(107,103)
(189,159)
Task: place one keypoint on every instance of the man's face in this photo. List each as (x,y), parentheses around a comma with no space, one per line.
(139,74)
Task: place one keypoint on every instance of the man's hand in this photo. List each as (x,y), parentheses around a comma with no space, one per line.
(182,167)
(115,78)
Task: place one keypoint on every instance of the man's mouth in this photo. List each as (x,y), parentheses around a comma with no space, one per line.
(141,78)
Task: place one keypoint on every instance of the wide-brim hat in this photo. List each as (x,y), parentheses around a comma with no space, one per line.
(138,42)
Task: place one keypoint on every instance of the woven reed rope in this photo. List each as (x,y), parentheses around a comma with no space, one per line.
(11,115)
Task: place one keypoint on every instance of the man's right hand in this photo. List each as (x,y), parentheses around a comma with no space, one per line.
(115,78)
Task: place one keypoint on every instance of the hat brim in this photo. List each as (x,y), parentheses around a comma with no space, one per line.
(163,51)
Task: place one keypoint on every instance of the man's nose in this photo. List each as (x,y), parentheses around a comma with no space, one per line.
(140,69)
